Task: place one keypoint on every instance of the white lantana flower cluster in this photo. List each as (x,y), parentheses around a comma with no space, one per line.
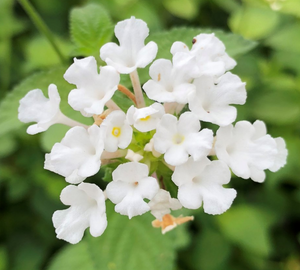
(142,137)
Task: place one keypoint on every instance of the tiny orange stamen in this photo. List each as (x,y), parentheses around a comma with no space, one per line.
(169,222)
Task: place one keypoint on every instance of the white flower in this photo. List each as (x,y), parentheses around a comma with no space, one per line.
(93,89)
(207,56)
(201,181)
(77,156)
(35,107)
(116,131)
(145,119)
(248,150)
(130,185)
(161,204)
(132,52)
(169,83)
(210,102)
(179,139)
(87,209)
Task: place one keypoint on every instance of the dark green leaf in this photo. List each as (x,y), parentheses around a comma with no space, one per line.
(247,226)
(90,27)
(277,107)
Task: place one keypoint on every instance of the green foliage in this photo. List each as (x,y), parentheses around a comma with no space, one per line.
(286,39)
(38,47)
(126,244)
(210,242)
(3,258)
(277,107)
(182,8)
(247,226)
(90,27)
(253,22)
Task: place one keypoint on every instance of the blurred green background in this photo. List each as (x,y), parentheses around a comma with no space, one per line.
(260,231)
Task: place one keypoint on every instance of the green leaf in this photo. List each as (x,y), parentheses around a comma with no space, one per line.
(253,22)
(235,44)
(126,244)
(247,226)
(286,39)
(211,250)
(9,105)
(40,54)
(3,258)
(12,25)
(90,27)
(53,135)
(7,145)
(288,59)
(27,253)
(289,7)
(187,9)
(277,107)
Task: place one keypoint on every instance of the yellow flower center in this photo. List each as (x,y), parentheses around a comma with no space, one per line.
(145,118)
(116,131)
(178,139)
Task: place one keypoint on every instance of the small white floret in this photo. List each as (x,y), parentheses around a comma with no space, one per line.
(93,90)
(168,83)
(179,139)
(35,107)
(132,52)
(145,119)
(212,98)
(248,150)
(207,56)
(201,181)
(77,156)
(87,209)
(130,185)
(162,203)
(117,133)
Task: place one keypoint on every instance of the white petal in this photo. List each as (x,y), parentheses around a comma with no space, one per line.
(189,196)
(35,107)
(188,123)
(161,204)
(132,52)
(198,145)
(132,206)
(130,172)
(281,157)
(82,72)
(176,155)
(87,209)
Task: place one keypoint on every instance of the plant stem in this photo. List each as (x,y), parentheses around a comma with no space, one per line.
(127,92)
(112,105)
(41,26)
(137,89)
